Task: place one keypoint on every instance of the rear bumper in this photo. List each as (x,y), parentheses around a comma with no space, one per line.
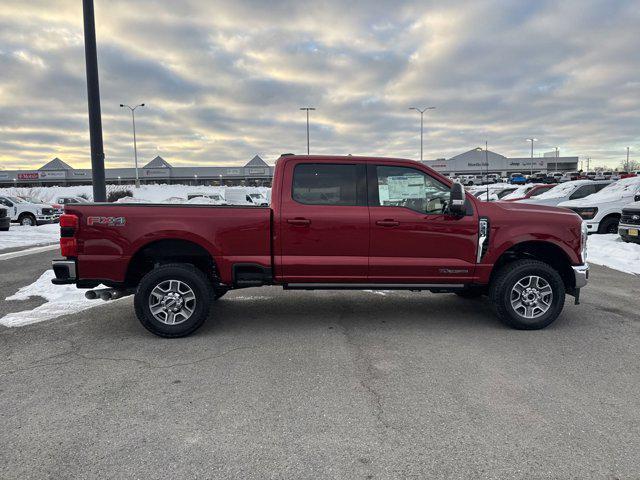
(65,272)
(581,275)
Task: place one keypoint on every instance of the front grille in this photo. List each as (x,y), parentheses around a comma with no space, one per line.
(47,211)
(630,218)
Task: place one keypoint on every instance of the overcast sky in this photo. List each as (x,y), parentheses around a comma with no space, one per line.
(223,80)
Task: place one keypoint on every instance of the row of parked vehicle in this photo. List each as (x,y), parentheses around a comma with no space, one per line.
(30,211)
(606,206)
(517,178)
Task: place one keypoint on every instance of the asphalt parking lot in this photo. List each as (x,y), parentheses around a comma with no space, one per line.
(323,385)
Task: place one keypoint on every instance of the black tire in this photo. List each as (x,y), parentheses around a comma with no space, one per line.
(27,219)
(186,273)
(505,280)
(4,229)
(609,225)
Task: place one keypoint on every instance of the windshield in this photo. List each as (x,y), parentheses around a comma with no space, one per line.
(255,195)
(518,192)
(558,191)
(628,185)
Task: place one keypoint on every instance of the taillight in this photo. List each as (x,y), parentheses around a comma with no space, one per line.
(68,243)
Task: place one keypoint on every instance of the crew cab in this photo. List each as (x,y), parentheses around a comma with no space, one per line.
(562,192)
(334,223)
(28,213)
(602,210)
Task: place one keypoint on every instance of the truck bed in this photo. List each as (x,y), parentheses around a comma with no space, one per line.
(111,234)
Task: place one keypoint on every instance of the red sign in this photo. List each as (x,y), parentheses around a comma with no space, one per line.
(28,176)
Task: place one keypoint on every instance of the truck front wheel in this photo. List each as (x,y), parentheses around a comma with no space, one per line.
(173,300)
(527,294)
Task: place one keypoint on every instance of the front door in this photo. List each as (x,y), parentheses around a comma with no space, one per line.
(413,239)
(324,223)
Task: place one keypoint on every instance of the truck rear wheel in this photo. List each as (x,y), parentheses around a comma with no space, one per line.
(173,300)
(527,294)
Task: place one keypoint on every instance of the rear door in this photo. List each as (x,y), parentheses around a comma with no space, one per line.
(412,239)
(324,222)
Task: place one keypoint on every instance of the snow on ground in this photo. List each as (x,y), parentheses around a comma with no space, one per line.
(61,300)
(151,193)
(19,236)
(611,251)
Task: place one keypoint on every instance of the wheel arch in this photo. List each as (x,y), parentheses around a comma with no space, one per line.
(544,251)
(169,250)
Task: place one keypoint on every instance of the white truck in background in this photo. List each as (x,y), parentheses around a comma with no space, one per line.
(245,196)
(28,213)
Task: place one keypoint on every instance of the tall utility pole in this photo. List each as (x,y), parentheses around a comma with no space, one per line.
(557,152)
(307,109)
(486,160)
(135,147)
(93,97)
(532,140)
(627,167)
(421,111)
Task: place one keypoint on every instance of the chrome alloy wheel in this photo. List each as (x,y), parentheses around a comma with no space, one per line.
(172,302)
(531,297)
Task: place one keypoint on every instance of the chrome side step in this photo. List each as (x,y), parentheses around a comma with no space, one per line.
(374,286)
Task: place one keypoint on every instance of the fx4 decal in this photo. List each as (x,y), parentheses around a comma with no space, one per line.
(107,221)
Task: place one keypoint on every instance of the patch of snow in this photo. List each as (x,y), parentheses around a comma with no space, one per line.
(610,251)
(23,236)
(61,300)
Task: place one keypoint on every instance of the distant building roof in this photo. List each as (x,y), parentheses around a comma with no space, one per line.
(158,162)
(478,154)
(256,162)
(56,164)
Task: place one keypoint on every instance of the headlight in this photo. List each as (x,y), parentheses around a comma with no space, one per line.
(584,236)
(39,211)
(586,213)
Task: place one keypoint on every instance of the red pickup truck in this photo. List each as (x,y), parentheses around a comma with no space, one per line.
(334,223)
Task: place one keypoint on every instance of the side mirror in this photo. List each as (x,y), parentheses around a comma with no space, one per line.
(457,200)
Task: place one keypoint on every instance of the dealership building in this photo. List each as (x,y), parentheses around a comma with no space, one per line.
(56,172)
(477,161)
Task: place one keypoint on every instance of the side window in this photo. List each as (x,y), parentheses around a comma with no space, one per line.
(6,202)
(600,186)
(582,192)
(325,184)
(539,191)
(410,188)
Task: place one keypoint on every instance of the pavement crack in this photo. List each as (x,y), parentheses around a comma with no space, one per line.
(145,363)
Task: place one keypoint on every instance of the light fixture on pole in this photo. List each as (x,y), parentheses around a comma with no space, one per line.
(532,140)
(421,111)
(135,146)
(307,109)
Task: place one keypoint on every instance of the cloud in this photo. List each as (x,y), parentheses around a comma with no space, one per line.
(224,80)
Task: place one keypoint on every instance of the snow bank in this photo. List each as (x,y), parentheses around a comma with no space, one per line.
(611,251)
(61,300)
(19,236)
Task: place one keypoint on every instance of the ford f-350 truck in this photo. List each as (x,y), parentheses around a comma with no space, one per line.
(334,223)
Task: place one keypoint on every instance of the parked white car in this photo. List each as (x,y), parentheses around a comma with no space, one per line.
(244,196)
(602,211)
(216,198)
(66,200)
(28,213)
(567,191)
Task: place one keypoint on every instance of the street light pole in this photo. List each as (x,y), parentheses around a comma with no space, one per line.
(421,111)
(627,168)
(135,146)
(93,99)
(557,152)
(532,140)
(307,109)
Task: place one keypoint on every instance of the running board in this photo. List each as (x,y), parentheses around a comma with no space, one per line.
(434,287)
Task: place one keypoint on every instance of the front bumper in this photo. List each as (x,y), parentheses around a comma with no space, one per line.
(65,272)
(40,219)
(581,275)
(592,226)
(623,231)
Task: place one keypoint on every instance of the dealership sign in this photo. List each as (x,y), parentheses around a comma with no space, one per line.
(40,175)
